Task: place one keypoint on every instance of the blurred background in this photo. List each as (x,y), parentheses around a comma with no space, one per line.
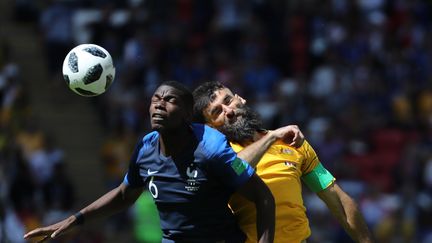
(354,75)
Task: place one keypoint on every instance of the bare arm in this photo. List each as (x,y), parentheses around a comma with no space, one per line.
(344,208)
(289,134)
(110,203)
(256,191)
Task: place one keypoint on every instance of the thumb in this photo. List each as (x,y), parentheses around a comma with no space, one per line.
(59,231)
(56,233)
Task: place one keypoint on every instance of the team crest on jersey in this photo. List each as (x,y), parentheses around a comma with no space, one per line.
(192,184)
(286,151)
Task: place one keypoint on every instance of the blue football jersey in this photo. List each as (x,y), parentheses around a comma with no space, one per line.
(191,191)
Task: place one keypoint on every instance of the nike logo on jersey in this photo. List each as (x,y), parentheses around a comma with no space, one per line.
(149,172)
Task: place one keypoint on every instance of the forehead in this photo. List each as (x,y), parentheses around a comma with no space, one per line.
(218,96)
(165,90)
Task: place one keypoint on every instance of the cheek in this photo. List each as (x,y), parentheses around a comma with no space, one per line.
(218,121)
(176,115)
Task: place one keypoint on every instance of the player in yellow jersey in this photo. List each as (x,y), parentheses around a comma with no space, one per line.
(281,166)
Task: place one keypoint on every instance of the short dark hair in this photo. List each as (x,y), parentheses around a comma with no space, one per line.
(184,92)
(203,95)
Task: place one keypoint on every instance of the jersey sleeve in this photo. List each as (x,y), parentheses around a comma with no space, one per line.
(315,176)
(132,177)
(230,169)
(311,158)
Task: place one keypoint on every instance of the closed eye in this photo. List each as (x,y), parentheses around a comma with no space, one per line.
(228,99)
(216,111)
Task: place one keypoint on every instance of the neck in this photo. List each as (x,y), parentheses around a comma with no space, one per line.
(257,136)
(174,141)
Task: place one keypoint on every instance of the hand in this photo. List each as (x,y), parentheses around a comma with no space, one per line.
(52,231)
(290,135)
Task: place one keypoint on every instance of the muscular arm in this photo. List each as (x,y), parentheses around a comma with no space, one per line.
(256,191)
(254,152)
(347,213)
(110,203)
(289,134)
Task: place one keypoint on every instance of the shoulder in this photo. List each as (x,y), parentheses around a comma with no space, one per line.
(306,149)
(206,133)
(210,139)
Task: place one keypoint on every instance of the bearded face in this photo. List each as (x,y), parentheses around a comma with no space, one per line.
(242,128)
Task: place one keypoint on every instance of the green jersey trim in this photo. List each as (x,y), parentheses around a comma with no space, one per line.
(239,166)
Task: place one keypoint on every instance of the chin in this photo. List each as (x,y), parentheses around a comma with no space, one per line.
(156,127)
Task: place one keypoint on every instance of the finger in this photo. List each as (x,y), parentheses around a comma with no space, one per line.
(56,233)
(298,140)
(295,138)
(60,231)
(36,232)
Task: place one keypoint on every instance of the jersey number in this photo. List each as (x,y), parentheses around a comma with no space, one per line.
(153,188)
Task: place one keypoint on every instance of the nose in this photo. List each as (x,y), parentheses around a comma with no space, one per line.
(160,104)
(229,112)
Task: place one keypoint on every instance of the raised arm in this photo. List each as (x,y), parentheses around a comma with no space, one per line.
(110,203)
(290,134)
(256,191)
(344,208)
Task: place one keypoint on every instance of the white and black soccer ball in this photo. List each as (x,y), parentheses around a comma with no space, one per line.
(88,70)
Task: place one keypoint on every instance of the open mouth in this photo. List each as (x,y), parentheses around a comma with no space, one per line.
(158,117)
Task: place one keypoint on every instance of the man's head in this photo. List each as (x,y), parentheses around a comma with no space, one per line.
(171,106)
(218,107)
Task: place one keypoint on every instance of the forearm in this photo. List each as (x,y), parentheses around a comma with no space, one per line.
(346,211)
(266,220)
(353,221)
(254,152)
(112,202)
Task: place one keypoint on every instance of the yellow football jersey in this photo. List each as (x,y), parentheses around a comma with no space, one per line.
(281,168)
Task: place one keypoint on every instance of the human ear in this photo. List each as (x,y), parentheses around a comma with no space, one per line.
(243,101)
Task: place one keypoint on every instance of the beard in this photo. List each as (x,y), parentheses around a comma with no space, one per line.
(243,129)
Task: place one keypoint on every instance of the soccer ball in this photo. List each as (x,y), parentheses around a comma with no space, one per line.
(88,70)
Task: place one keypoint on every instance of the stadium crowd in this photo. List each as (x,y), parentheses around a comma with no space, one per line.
(354,75)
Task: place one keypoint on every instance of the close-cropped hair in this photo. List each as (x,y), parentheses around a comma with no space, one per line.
(203,95)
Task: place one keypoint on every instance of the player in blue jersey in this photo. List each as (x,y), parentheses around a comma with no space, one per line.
(191,172)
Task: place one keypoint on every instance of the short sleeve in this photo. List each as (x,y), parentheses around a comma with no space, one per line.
(132,177)
(232,170)
(315,176)
(311,158)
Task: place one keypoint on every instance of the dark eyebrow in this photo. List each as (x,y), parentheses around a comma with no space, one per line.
(166,96)
(227,98)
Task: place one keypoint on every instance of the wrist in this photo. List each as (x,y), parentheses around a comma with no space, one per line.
(271,137)
(79,218)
